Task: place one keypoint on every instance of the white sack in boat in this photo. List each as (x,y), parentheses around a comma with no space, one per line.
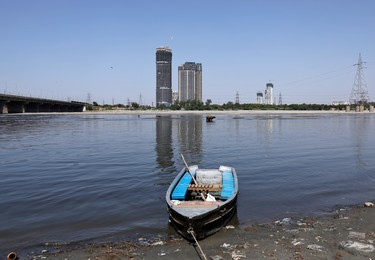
(209,177)
(193,168)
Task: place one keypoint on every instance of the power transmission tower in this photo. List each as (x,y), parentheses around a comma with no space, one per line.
(140,99)
(359,93)
(88,101)
(237,98)
(280,100)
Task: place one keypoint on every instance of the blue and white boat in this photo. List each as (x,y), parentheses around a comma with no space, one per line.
(202,201)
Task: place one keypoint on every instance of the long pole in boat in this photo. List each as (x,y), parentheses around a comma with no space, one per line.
(192,176)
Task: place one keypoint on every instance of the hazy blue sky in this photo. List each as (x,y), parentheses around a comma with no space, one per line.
(67,49)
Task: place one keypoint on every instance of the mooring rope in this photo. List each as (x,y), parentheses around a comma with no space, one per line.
(192,233)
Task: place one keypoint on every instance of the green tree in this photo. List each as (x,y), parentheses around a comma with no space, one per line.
(134,105)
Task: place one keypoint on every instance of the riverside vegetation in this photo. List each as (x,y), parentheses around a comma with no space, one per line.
(199,106)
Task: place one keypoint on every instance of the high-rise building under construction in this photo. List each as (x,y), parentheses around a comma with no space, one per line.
(268,97)
(163,76)
(190,81)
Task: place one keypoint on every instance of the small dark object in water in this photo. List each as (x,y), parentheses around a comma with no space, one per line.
(210,118)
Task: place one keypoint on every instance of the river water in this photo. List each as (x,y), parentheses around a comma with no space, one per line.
(81,177)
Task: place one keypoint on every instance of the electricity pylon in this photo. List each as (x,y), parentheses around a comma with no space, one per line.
(359,93)
(237,98)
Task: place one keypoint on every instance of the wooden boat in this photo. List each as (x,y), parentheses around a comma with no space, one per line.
(194,217)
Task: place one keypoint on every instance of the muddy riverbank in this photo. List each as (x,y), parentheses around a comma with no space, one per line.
(347,233)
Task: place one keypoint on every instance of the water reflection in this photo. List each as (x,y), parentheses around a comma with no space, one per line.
(264,128)
(164,144)
(189,137)
(183,133)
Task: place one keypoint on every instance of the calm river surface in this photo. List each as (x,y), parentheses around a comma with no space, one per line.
(100,177)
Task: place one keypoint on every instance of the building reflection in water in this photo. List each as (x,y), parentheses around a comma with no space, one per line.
(178,134)
(265,128)
(189,138)
(164,144)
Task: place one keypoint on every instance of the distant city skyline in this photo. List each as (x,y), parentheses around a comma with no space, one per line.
(72,50)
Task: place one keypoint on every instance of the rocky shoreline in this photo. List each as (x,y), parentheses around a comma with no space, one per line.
(347,233)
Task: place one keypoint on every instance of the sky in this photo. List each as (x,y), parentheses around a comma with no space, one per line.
(105,50)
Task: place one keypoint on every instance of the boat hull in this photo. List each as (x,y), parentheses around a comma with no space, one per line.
(203,225)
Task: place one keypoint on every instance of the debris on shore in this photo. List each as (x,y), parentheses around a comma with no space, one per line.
(344,234)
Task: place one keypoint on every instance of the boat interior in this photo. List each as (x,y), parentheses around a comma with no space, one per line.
(214,185)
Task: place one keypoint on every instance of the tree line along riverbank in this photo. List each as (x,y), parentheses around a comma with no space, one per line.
(208,106)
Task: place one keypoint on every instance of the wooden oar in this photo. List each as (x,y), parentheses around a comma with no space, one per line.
(192,176)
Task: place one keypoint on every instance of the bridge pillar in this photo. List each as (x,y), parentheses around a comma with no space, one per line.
(79,109)
(16,107)
(3,107)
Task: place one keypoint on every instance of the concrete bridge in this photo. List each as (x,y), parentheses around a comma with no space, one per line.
(20,104)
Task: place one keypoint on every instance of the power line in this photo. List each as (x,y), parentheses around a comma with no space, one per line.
(316,76)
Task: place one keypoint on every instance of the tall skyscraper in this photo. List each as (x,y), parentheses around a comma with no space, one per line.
(190,81)
(163,76)
(268,97)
